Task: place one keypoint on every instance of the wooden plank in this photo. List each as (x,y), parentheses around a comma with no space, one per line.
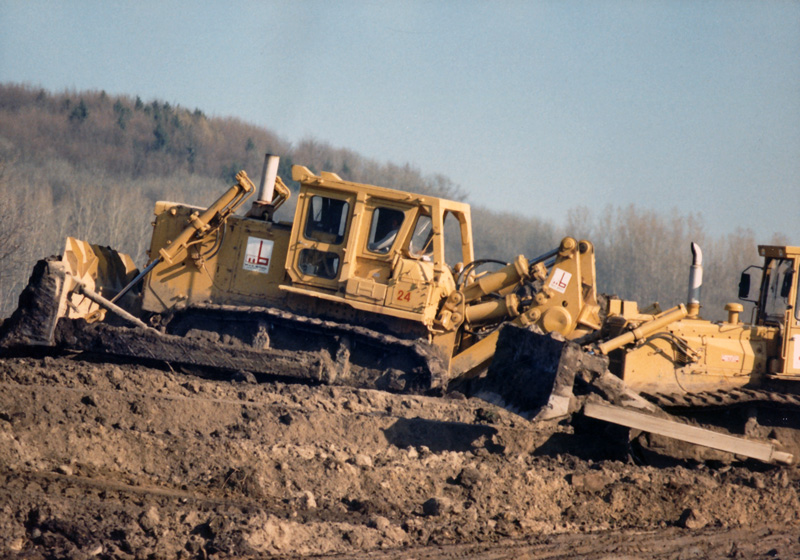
(692,434)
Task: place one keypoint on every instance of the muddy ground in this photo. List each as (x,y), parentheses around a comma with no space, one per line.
(117,460)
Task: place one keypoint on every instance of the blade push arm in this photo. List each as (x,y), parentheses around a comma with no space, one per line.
(201,225)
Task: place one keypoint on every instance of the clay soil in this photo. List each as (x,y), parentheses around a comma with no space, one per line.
(120,460)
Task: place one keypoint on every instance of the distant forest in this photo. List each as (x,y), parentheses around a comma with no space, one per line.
(91,165)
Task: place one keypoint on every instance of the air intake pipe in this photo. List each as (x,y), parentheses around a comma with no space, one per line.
(695,281)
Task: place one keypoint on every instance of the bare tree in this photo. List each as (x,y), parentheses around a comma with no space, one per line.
(21,218)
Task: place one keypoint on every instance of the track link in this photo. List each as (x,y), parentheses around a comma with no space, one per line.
(725,399)
(271,342)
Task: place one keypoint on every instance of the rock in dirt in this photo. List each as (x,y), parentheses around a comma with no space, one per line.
(590,482)
(692,519)
(150,520)
(307,500)
(469,477)
(379,522)
(362,460)
(437,506)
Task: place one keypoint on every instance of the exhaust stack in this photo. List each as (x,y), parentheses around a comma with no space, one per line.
(695,281)
(266,189)
(268,201)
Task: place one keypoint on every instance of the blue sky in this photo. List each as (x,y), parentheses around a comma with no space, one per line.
(532,107)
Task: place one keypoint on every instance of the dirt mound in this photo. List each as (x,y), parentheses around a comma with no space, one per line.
(113,460)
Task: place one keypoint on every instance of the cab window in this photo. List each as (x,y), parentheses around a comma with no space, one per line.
(322,264)
(383,229)
(452,239)
(421,245)
(776,299)
(327,220)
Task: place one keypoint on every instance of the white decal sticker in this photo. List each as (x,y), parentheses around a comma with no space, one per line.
(796,359)
(258,254)
(560,280)
(730,358)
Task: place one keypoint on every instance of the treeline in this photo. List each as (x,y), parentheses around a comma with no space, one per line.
(91,165)
(127,138)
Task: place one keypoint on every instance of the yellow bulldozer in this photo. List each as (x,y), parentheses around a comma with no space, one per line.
(366,285)
(646,363)
(380,288)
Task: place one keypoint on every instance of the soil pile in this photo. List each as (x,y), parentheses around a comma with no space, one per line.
(114,460)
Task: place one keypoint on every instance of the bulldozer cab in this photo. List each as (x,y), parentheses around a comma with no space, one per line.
(777,301)
(373,248)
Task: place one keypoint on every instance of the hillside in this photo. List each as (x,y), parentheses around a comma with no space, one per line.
(91,165)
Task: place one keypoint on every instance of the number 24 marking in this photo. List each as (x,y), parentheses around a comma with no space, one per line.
(403,295)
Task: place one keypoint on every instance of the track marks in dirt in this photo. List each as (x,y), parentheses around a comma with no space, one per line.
(670,544)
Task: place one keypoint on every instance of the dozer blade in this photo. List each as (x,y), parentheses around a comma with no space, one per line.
(53,292)
(40,305)
(760,450)
(532,374)
(99,269)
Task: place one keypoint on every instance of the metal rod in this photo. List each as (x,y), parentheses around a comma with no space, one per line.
(545,256)
(100,300)
(136,280)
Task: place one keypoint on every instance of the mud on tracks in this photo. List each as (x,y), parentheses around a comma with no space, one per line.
(124,461)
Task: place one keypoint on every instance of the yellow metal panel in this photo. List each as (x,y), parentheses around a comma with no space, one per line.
(411,288)
(408,295)
(362,306)
(251,263)
(365,289)
(727,356)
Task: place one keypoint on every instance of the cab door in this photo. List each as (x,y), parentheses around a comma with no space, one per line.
(778,305)
(792,340)
(319,238)
(384,227)
(413,277)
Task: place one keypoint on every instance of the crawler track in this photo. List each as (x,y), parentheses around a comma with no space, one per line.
(308,349)
(231,338)
(723,399)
